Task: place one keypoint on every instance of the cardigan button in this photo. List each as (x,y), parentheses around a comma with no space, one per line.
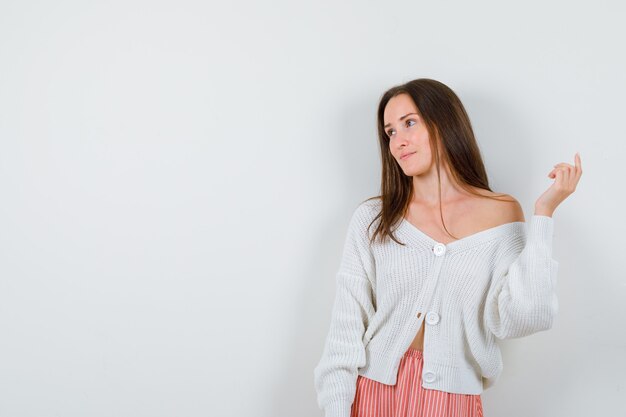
(432,318)
(439,249)
(429,376)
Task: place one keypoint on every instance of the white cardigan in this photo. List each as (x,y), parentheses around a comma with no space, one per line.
(496,283)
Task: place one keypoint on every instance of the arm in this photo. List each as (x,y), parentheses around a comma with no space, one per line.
(522,299)
(336,373)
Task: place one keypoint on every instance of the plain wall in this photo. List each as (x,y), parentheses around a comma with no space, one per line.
(177,180)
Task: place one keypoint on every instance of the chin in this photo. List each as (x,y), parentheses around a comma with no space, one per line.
(413,172)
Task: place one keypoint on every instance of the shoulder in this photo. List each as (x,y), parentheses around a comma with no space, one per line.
(506,209)
(369,208)
(502,208)
(364,215)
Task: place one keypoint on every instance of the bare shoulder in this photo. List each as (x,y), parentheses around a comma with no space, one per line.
(505,209)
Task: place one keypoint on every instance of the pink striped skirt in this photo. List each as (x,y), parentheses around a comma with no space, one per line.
(408,398)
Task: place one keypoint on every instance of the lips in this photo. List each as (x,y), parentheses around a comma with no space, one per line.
(406,155)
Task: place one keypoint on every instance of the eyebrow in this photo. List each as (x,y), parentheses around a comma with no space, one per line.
(406,115)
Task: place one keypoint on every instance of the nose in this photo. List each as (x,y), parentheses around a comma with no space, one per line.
(399,138)
(400,141)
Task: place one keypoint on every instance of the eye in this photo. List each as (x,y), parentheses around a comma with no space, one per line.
(407,122)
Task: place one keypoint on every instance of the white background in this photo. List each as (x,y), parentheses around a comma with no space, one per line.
(177,180)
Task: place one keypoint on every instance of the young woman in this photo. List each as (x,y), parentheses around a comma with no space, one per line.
(435,270)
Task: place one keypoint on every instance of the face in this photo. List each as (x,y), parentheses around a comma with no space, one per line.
(408,135)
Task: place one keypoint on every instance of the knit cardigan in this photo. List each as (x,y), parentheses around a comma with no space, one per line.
(498,283)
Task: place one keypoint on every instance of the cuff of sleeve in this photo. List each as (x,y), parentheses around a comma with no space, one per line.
(338,409)
(541,230)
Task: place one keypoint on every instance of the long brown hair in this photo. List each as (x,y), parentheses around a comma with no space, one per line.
(448,127)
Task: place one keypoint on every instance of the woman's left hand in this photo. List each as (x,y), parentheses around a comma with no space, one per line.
(566,178)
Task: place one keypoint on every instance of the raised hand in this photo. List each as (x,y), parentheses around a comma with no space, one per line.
(566,178)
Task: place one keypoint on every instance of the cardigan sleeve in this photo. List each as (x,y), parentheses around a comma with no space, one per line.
(522,298)
(336,374)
